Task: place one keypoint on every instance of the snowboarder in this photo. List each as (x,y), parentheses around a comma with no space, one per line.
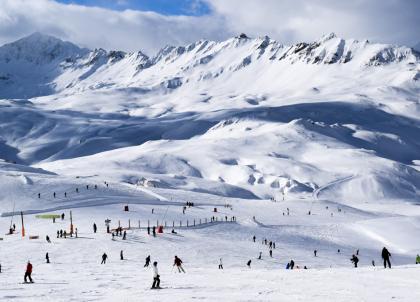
(48,239)
(418,259)
(315,251)
(178,264)
(220,263)
(121,255)
(47,258)
(385,255)
(104,257)
(156,276)
(354,259)
(147,261)
(28,273)
(249,263)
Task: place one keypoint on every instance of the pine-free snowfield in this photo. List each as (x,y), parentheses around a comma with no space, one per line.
(75,272)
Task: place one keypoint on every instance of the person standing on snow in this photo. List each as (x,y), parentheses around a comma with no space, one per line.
(147,261)
(121,255)
(292,264)
(47,258)
(220,263)
(354,259)
(104,257)
(385,255)
(249,263)
(178,264)
(156,276)
(28,273)
(95,228)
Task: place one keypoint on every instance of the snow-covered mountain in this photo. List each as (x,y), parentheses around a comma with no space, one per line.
(247,128)
(250,115)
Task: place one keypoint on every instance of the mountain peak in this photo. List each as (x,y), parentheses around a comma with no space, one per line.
(39,48)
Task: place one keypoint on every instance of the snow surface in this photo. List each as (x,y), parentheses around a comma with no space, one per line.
(329,127)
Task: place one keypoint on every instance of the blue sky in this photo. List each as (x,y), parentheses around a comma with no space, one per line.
(164,7)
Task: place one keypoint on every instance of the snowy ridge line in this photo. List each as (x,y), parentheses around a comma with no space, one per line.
(335,182)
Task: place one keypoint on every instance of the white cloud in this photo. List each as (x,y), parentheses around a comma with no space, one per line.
(391,21)
(285,20)
(97,27)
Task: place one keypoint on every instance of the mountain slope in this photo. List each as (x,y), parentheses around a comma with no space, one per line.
(242,117)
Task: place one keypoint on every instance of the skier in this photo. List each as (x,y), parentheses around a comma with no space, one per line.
(54,194)
(104,257)
(418,259)
(249,263)
(274,245)
(61,233)
(65,194)
(62,216)
(125,235)
(271,253)
(153,210)
(95,228)
(77,190)
(28,273)
(156,276)
(47,258)
(373,262)
(357,252)
(87,187)
(154,231)
(121,255)
(253,238)
(148,230)
(220,263)
(58,234)
(385,255)
(48,239)
(259,257)
(292,264)
(354,259)
(178,263)
(315,251)
(147,261)
(39,195)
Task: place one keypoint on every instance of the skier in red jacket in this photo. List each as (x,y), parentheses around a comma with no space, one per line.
(28,273)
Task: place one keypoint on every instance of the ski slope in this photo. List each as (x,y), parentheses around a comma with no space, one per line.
(313,146)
